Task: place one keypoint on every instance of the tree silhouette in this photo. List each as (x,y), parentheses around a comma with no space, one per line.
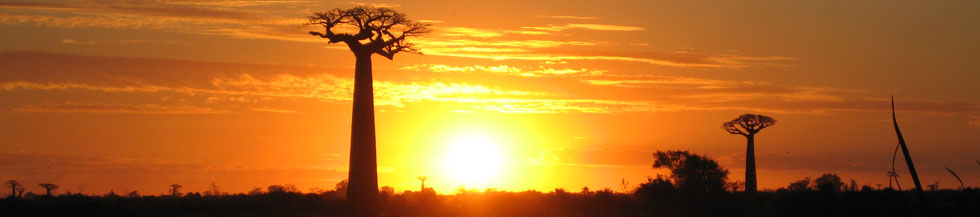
(380,31)
(748,125)
(175,189)
(422,178)
(691,172)
(48,187)
(13,187)
(800,185)
(828,182)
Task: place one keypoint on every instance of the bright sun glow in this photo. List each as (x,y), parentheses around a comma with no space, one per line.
(473,161)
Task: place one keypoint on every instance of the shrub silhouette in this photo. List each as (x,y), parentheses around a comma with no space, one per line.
(800,185)
(692,173)
(828,182)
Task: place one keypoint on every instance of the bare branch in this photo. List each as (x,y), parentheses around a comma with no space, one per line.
(748,124)
(384,29)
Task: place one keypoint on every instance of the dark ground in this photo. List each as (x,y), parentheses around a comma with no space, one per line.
(511,204)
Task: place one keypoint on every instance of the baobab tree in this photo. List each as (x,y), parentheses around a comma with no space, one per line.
(748,125)
(48,187)
(175,189)
(13,187)
(422,178)
(379,31)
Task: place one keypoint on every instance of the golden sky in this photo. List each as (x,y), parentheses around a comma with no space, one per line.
(137,95)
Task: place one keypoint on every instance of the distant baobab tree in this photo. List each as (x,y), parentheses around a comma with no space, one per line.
(175,189)
(748,125)
(48,187)
(13,187)
(422,178)
(380,31)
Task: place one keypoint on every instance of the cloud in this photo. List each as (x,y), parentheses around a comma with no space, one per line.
(228,87)
(229,18)
(567,17)
(143,173)
(792,162)
(376,5)
(540,71)
(603,27)
(587,26)
(74,107)
(704,62)
(274,110)
(72,41)
(469,32)
(592,157)
(142,8)
(975,121)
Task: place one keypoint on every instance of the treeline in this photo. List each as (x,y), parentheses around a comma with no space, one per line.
(654,198)
(696,186)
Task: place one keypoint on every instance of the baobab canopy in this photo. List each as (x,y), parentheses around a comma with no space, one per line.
(375,30)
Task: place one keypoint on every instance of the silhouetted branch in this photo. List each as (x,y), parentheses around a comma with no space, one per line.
(384,29)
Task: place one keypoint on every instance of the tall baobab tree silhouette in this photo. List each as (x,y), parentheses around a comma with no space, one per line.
(422,178)
(48,187)
(175,189)
(13,187)
(748,125)
(380,31)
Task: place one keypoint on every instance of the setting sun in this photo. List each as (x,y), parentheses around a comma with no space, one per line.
(473,160)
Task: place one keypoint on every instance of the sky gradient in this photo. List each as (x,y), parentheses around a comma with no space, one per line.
(137,95)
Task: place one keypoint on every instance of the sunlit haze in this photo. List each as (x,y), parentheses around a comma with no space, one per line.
(102,96)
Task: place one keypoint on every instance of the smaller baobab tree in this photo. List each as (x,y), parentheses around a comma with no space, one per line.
(422,178)
(175,189)
(48,187)
(748,125)
(13,184)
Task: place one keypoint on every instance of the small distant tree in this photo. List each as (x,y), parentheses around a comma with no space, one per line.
(175,190)
(13,187)
(20,191)
(341,188)
(133,194)
(282,189)
(213,191)
(748,125)
(422,178)
(799,185)
(48,187)
(828,182)
(692,172)
(734,186)
(624,184)
(255,191)
(387,190)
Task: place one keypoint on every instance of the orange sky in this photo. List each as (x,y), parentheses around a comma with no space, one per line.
(138,95)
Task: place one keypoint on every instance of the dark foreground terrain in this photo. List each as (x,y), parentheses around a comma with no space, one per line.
(645,202)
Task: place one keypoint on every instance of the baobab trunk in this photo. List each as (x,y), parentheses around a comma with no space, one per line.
(750,182)
(362,191)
